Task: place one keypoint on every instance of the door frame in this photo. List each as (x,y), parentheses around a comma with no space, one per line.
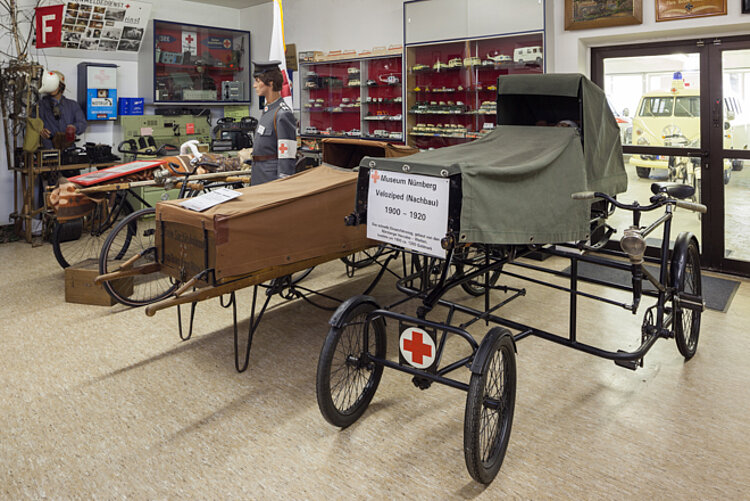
(711,98)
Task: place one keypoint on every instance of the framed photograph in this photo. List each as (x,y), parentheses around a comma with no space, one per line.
(746,6)
(669,10)
(584,14)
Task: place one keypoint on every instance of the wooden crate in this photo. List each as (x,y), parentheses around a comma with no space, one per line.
(80,287)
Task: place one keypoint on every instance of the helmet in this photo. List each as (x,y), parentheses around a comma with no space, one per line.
(51,81)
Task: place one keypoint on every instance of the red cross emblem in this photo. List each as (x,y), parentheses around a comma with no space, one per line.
(375,176)
(417,347)
(227,43)
(283,148)
(189,38)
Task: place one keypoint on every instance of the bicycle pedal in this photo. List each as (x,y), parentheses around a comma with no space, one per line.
(628,364)
(421,382)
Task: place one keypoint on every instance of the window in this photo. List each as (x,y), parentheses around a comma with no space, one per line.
(656,107)
(687,106)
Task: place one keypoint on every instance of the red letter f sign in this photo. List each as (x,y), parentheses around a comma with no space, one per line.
(49,26)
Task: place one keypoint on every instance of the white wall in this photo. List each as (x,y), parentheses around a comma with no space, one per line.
(571,49)
(362,24)
(127,73)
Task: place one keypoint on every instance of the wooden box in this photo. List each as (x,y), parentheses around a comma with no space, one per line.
(80,287)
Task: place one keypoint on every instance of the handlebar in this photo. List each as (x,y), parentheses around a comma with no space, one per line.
(656,201)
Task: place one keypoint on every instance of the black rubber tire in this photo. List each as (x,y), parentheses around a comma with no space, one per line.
(80,239)
(487,430)
(643,172)
(138,231)
(345,382)
(686,274)
(364,258)
(462,258)
(727,176)
(737,164)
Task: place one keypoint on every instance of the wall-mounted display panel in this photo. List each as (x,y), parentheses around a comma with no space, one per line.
(200,64)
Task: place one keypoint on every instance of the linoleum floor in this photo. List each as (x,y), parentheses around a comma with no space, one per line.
(105,402)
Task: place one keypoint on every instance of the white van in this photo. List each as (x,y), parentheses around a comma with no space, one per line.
(666,115)
(526,55)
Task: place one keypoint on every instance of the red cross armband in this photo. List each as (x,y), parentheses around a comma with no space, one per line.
(287,148)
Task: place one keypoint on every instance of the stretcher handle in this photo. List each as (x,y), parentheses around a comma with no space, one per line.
(186,286)
(583,195)
(691,206)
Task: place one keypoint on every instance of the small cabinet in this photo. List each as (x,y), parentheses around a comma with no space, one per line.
(451,87)
(359,98)
(200,64)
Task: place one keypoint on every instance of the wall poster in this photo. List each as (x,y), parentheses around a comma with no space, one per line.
(106,25)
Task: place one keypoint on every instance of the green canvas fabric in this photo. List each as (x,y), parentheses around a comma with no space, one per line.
(517,180)
(601,134)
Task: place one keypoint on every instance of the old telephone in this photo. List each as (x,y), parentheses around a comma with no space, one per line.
(230,134)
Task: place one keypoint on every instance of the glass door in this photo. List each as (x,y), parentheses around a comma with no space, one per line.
(655,94)
(730,123)
(684,112)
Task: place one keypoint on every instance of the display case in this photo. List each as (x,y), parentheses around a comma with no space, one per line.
(451,88)
(200,64)
(352,98)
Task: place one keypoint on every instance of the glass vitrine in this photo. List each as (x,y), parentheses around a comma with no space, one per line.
(451,87)
(200,64)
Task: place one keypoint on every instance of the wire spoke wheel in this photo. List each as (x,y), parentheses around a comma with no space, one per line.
(134,237)
(489,406)
(346,378)
(363,258)
(687,322)
(80,239)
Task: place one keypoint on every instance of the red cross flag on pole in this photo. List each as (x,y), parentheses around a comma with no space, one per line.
(278,50)
(417,347)
(49,26)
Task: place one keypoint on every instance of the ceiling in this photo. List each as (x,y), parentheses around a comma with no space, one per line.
(237,4)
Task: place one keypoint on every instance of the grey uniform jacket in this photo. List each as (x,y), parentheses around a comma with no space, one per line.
(279,141)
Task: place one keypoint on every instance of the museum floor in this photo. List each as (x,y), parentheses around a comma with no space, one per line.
(102,402)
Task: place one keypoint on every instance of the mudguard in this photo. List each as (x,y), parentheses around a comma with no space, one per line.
(486,346)
(679,256)
(336,319)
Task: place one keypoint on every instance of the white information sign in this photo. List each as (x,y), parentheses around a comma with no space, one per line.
(408,210)
(207,200)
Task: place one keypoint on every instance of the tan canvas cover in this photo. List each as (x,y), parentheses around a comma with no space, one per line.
(275,223)
(347,153)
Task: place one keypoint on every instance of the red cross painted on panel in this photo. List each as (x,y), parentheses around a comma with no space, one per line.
(189,39)
(227,43)
(103,76)
(283,148)
(375,176)
(417,347)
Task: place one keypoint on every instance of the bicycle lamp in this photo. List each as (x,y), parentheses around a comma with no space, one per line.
(633,244)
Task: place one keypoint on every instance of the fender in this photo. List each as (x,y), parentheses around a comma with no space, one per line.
(679,256)
(336,319)
(486,346)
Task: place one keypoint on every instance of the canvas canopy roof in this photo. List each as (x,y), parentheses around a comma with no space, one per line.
(517,180)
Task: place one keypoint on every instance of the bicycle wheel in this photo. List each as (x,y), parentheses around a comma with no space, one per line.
(686,272)
(466,259)
(363,258)
(133,236)
(489,405)
(346,379)
(80,239)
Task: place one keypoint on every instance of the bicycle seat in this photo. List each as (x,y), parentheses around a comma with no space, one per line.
(674,190)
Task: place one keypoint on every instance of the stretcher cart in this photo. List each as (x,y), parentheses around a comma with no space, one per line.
(268,238)
(467,214)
